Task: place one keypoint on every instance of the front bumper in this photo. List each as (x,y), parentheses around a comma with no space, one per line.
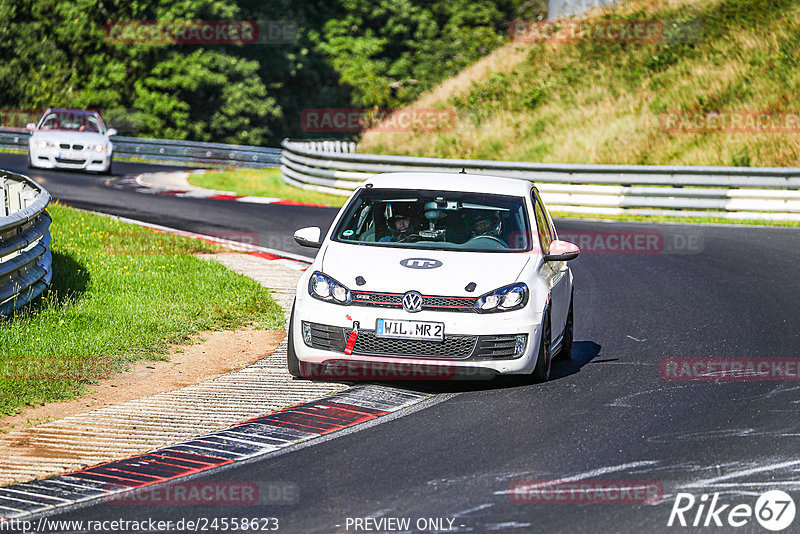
(454,347)
(87,160)
(472,341)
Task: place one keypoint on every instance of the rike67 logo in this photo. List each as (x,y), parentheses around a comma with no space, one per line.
(774,510)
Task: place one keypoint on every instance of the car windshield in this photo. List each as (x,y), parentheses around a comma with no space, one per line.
(72,121)
(447,220)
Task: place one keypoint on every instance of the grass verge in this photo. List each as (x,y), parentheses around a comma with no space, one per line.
(261,183)
(597,101)
(268,183)
(671,219)
(120,293)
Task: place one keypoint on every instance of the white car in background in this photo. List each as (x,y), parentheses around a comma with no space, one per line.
(429,272)
(71,139)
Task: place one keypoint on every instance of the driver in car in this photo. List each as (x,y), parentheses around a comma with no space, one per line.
(487,223)
(399,224)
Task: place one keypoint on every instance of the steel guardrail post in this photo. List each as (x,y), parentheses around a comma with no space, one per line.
(725,192)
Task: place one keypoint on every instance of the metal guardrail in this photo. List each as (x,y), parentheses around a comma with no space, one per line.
(724,192)
(178,151)
(25,258)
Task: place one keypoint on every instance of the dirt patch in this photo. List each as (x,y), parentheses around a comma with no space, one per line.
(219,354)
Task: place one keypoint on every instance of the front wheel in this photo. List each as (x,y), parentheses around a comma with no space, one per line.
(292,363)
(108,170)
(565,353)
(30,162)
(541,373)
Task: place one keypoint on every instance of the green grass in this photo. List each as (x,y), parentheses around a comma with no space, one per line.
(671,219)
(261,183)
(120,293)
(597,102)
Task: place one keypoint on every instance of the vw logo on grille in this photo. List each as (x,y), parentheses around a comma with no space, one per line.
(412,302)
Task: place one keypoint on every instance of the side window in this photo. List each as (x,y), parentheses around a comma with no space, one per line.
(543,224)
(50,122)
(357,225)
(91,125)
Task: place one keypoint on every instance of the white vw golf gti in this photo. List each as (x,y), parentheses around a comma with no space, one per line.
(432,275)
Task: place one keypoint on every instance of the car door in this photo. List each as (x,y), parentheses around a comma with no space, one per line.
(555,273)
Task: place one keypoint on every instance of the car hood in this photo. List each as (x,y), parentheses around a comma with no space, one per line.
(382,269)
(87,138)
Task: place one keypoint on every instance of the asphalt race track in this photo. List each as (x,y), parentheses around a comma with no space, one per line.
(215,217)
(608,416)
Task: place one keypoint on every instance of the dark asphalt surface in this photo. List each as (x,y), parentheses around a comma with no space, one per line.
(215,217)
(608,415)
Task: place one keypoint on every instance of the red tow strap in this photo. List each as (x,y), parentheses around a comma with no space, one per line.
(351,340)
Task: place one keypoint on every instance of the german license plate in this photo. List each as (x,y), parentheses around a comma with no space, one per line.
(401,329)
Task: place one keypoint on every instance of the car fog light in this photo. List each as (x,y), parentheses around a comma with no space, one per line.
(307,333)
(519,345)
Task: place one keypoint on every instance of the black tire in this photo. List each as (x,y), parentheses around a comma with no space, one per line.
(541,373)
(30,163)
(565,352)
(292,363)
(109,170)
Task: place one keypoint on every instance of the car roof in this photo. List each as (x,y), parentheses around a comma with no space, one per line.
(65,110)
(445,181)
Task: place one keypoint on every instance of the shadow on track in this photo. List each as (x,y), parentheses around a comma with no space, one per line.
(583,352)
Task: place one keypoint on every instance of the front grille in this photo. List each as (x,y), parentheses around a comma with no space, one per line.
(453,346)
(77,147)
(71,161)
(496,347)
(325,337)
(429,302)
(448,302)
(387,300)
(63,145)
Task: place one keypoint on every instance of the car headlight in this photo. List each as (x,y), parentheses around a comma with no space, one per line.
(97,148)
(43,143)
(507,298)
(323,287)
